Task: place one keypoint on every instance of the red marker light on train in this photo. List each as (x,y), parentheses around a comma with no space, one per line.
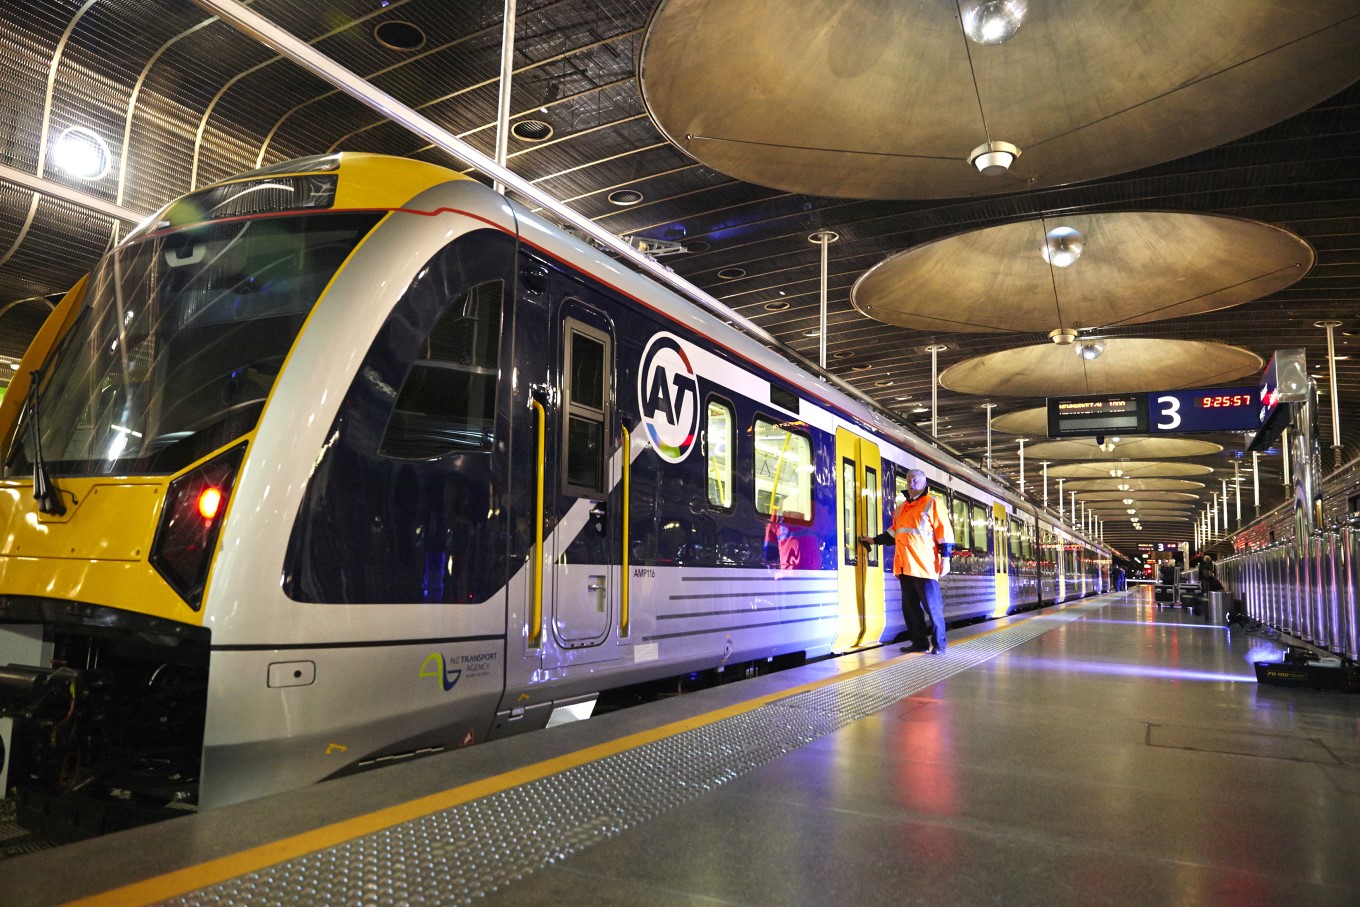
(186,535)
(208,502)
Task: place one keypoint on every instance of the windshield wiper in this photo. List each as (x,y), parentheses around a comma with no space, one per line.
(45,490)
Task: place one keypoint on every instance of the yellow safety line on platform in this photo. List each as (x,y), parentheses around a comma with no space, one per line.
(182,881)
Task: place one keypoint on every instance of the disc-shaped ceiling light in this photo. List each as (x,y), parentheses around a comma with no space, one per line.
(1134,484)
(883,99)
(1131,469)
(1132,268)
(1164,516)
(1139,505)
(1128,365)
(1124,448)
(1152,497)
(1031,423)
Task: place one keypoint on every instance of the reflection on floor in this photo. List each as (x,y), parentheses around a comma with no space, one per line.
(1110,752)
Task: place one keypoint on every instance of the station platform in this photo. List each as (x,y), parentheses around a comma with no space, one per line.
(1103,752)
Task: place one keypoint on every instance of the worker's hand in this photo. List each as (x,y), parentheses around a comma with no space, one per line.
(865,541)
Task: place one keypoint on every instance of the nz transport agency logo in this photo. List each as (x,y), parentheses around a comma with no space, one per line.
(668,393)
(434,667)
(447,669)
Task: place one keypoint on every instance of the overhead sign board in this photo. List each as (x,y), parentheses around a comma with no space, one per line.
(1178,412)
(1104,414)
(1205,409)
(1285,380)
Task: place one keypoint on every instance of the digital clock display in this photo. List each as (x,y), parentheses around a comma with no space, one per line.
(1204,409)
(1225,401)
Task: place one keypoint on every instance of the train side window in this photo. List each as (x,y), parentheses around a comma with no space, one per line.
(783,472)
(584,399)
(848,553)
(720,443)
(447,402)
(962,530)
(979,522)
(1014,539)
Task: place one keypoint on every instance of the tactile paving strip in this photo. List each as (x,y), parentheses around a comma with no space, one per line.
(464,853)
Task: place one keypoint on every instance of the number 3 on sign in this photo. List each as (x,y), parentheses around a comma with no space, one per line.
(1169,409)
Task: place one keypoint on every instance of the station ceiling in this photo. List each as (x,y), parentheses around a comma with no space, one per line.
(180,99)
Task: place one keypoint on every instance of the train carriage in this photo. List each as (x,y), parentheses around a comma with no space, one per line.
(351,460)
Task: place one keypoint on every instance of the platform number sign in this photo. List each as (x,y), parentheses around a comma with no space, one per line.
(1204,410)
(1168,413)
(668,396)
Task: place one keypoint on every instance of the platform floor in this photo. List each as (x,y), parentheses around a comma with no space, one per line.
(1104,753)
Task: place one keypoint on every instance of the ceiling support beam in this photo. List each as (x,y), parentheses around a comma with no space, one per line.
(65,193)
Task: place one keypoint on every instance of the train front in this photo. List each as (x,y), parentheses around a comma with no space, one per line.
(148,386)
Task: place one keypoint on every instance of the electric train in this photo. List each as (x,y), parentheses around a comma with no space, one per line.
(350,459)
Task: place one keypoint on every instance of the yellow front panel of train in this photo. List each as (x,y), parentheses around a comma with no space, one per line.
(96,553)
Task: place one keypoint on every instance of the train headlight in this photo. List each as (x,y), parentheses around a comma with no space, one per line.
(187,534)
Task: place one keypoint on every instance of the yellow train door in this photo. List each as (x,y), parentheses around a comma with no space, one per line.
(859,501)
(1001,560)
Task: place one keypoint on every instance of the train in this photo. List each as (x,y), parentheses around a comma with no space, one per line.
(351,459)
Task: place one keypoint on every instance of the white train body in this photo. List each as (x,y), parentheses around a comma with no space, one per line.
(466,379)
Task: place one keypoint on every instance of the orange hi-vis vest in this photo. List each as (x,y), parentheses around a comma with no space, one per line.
(917,528)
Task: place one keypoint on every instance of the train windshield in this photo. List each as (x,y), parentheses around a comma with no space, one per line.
(180,341)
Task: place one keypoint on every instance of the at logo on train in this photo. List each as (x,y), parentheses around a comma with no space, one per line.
(668,395)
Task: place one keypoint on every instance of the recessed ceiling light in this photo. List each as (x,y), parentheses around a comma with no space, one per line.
(395,34)
(776,306)
(81,153)
(625,197)
(532,130)
(1062,247)
(731,273)
(992,21)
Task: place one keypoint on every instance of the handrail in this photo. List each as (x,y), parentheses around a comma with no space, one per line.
(535,635)
(625,483)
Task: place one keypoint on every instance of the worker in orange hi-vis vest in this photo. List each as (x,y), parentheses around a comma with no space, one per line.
(924,541)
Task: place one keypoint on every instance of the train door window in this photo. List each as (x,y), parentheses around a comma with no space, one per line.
(1014,539)
(584,400)
(980,524)
(719,443)
(447,402)
(783,472)
(962,531)
(848,533)
(873,510)
(1026,543)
